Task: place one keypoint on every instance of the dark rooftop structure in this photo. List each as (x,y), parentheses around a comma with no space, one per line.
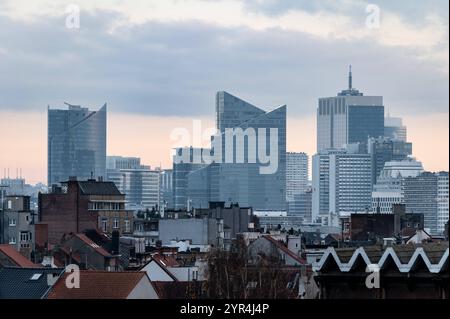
(27,283)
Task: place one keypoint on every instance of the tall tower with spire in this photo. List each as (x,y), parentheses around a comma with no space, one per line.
(349,117)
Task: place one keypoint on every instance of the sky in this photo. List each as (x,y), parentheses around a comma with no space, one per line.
(158,65)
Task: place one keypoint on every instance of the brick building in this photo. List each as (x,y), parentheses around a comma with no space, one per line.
(78,206)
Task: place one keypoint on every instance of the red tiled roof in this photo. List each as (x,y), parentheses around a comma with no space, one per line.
(171,289)
(284,249)
(16,257)
(98,285)
(96,247)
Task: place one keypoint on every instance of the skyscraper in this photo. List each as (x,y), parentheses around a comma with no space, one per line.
(442,201)
(421,194)
(296,173)
(139,183)
(76,143)
(383,150)
(388,189)
(238,174)
(349,117)
(342,184)
(394,128)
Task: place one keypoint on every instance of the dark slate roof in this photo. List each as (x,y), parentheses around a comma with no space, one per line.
(98,188)
(16,283)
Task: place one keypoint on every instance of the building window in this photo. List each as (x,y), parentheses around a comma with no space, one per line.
(116,223)
(24,236)
(104,225)
(12,222)
(127,226)
(12,240)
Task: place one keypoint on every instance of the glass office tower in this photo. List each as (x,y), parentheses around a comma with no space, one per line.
(76,143)
(237,181)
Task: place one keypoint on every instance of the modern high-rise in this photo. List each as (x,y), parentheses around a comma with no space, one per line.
(422,196)
(139,183)
(342,184)
(185,161)
(350,117)
(442,201)
(240,174)
(296,173)
(388,189)
(382,150)
(166,185)
(394,128)
(76,143)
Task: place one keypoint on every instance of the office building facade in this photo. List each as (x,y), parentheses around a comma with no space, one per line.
(296,174)
(383,150)
(394,129)
(350,117)
(76,143)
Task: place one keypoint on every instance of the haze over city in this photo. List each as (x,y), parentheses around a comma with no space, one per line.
(158,65)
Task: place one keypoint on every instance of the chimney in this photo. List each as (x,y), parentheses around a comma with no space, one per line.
(115,243)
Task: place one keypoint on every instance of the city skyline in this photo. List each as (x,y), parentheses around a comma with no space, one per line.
(153,80)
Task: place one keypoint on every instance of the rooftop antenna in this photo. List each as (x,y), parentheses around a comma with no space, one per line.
(350,77)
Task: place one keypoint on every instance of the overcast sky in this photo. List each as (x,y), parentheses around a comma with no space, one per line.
(169,57)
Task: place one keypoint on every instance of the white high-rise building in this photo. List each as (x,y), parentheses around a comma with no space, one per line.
(296,174)
(388,189)
(139,183)
(341,184)
(442,201)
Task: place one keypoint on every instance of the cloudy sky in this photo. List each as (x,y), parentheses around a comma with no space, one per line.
(159,63)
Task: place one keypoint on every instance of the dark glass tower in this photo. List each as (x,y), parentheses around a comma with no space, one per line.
(76,143)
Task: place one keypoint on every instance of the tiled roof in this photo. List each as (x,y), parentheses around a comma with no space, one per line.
(98,188)
(171,289)
(17,258)
(98,285)
(93,245)
(434,255)
(284,249)
(25,283)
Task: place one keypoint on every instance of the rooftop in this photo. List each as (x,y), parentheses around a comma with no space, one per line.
(98,285)
(16,258)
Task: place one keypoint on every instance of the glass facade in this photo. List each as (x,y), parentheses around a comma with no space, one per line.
(76,144)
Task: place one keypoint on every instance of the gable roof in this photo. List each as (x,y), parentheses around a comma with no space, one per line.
(17,283)
(99,249)
(162,266)
(98,285)
(284,249)
(15,257)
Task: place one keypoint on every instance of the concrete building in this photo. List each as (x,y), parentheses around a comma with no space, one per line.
(342,184)
(394,129)
(421,196)
(296,174)
(78,206)
(350,117)
(17,224)
(76,143)
(166,189)
(442,201)
(205,232)
(138,182)
(388,189)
